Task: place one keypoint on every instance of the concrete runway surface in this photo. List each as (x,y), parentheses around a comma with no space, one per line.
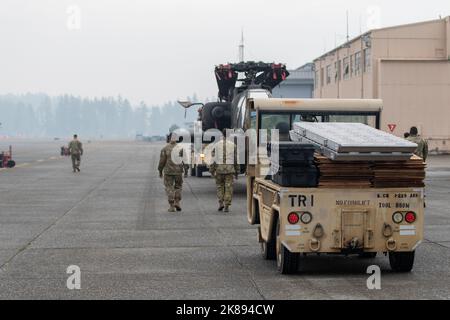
(111,220)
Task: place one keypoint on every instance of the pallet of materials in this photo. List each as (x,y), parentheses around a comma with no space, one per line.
(393,174)
(343,174)
(370,174)
(352,141)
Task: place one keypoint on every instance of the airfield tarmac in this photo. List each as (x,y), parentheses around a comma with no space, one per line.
(111,220)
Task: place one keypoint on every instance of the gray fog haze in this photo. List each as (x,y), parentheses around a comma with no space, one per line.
(156,51)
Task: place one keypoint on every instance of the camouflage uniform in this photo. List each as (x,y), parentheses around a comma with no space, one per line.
(224,172)
(76,151)
(422,146)
(173,175)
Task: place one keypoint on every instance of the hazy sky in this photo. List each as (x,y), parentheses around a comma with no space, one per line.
(160,50)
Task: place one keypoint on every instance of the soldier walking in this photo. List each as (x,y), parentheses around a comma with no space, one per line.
(225,169)
(172,174)
(422,144)
(76,151)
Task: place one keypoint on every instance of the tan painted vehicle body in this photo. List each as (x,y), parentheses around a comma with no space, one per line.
(338,216)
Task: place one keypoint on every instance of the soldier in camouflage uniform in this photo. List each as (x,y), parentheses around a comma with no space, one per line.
(422,144)
(172,174)
(224,170)
(76,151)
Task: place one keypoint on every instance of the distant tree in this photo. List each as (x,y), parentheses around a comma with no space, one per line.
(42,115)
(141,118)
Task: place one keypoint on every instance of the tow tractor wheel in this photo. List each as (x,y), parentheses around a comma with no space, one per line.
(198,172)
(269,249)
(401,261)
(287,262)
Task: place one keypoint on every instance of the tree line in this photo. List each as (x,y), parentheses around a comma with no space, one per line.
(40,115)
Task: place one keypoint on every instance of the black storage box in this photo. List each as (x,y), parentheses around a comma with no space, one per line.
(292,153)
(299,176)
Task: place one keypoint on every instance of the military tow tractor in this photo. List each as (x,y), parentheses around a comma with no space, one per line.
(346,206)
(6,160)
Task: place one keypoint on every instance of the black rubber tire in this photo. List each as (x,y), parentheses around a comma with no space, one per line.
(11,164)
(367,255)
(208,120)
(255,212)
(269,249)
(198,172)
(257,219)
(218,112)
(287,262)
(401,261)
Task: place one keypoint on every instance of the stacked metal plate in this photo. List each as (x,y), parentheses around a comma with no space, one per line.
(352,141)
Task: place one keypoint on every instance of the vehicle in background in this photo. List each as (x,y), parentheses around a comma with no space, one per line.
(197,165)
(65,151)
(237,83)
(6,160)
